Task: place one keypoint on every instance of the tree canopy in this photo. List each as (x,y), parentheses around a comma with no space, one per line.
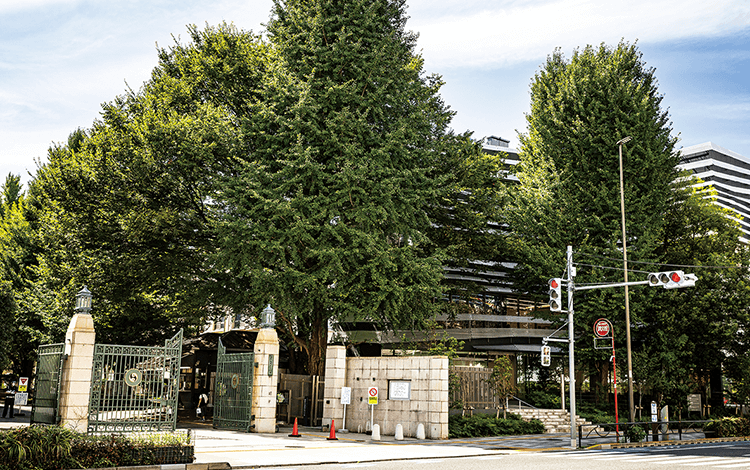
(569,194)
(310,169)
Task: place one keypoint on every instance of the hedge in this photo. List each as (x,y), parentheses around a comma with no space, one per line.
(58,448)
(482,425)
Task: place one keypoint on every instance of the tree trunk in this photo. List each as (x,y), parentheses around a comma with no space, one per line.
(316,351)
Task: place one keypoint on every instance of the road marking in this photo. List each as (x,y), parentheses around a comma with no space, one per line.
(746,463)
(696,460)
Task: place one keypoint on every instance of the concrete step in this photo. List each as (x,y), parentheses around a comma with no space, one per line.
(555,421)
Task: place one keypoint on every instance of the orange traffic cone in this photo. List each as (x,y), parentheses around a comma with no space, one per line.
(333,437)
(294,430)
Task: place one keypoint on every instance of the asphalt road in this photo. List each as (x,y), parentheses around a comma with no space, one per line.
(734,455)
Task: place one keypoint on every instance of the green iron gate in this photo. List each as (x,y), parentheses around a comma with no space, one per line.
(47,384)
(135,388)
(233,393)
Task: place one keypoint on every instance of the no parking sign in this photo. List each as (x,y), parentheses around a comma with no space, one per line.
(372,396)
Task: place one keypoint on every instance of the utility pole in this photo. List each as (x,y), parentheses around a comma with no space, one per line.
(571,350)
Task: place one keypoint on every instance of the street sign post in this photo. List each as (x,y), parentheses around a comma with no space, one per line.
(346,399)
(602,328)
(372,400)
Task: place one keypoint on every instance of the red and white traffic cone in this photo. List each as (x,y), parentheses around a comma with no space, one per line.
(294,430)
(332,436)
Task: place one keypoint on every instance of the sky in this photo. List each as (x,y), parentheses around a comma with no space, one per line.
(61,59)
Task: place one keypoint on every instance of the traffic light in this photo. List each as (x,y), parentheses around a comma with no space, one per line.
(546,355)
(671,279)
(555,295)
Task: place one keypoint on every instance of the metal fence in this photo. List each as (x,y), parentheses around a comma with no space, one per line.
(234,390)
(134,388)
(651,431)
(44,409)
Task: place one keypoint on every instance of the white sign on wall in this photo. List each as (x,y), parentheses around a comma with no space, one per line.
(399,390)
(346,395)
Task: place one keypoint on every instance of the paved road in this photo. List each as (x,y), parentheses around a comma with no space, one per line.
(709,456)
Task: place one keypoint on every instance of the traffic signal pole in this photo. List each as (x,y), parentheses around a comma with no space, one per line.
(667,280)
(571,350)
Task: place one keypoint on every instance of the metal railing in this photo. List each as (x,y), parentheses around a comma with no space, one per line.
(619,431)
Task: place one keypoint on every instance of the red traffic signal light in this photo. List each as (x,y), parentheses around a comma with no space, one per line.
(671,279)
(555,295)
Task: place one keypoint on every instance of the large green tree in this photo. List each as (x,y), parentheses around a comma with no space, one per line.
(569,194)
(569,191)
(328,218)
(127,206)
(686,336)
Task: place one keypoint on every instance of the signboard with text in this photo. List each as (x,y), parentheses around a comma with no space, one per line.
(602,328)
(346,395)
(372,396)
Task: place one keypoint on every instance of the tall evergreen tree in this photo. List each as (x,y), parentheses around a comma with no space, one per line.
(569,192)
(329,218)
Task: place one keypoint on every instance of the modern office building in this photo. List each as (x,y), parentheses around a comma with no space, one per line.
(728,172)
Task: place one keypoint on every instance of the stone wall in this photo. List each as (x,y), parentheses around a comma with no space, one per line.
(427,377)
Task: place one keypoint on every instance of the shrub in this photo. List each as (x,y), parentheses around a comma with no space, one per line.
(635,433)
(481,425)
(729,427)
(58,448)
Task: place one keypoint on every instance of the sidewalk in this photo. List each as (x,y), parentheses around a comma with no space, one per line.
(249,450)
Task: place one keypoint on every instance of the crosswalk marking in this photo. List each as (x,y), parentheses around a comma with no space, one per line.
(726,462)
(656,459)
(746,463)
(698,460)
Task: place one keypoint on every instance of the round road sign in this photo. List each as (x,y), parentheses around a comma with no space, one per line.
(602,328)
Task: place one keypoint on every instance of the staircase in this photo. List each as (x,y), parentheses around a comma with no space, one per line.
(555,421)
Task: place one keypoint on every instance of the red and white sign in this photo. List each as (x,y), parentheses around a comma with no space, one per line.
(602,328)
(23,384)
(372,393)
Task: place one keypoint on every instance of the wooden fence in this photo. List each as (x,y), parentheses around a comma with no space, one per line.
(475,390)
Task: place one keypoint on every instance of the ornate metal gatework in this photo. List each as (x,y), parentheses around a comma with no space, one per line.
(135,388)
(47,384)
(234,390)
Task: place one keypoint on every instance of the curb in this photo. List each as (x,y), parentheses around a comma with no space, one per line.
(174,466)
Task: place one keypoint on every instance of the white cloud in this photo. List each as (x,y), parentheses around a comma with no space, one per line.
(512,32)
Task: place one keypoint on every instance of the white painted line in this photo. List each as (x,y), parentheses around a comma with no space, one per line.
(746,463)
(696,461)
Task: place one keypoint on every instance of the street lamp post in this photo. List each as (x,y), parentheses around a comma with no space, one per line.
(631,407)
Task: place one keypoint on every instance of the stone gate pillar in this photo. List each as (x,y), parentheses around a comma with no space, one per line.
(266,377)
(75,386)
(335,380)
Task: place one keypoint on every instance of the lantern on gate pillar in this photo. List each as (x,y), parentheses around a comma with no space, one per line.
(268,317)
(83,301)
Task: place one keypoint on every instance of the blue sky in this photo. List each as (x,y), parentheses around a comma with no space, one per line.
(60,59)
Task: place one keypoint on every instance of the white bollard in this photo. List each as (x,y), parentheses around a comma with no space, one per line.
(420,431)
(375,432)
(399,432)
